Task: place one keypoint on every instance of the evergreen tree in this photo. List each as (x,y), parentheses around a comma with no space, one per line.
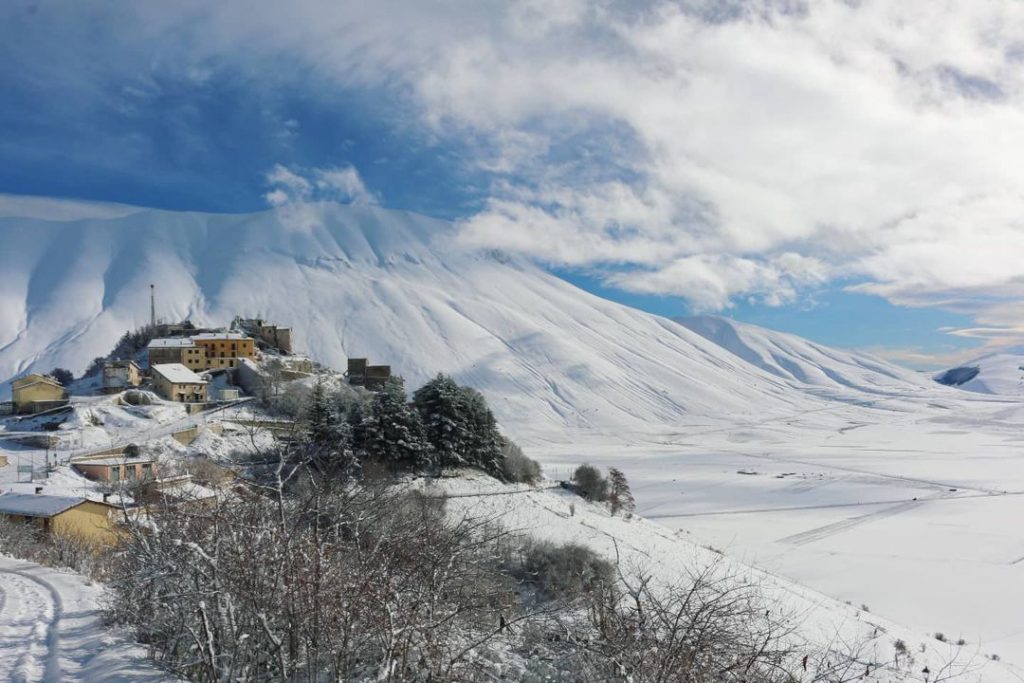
(63,376)
(391,431)
(320,419)
(329,435)
(619,495)
(440,405)
(459,425)
(484,447)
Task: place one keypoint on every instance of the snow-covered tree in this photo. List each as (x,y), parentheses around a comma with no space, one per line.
(391,431)
(590,483)
(459,425)
(619,495)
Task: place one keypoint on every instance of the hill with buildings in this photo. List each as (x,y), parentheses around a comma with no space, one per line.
(365,281)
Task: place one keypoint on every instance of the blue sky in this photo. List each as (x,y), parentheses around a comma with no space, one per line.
(678,157)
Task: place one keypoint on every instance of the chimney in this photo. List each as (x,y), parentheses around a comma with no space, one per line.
(152,305)
(39,490)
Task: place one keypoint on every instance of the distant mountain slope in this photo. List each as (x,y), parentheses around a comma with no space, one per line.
(393,286)
(1000,373)
(793,358)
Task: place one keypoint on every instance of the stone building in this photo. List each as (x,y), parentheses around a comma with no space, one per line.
(176,350)
(119,375)
(273,335)
(362,374)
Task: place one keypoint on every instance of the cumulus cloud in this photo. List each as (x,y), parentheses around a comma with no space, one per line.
(706,149)
(342,184)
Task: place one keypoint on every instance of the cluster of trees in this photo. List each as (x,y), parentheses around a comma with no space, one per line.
(614,490)
(444,426)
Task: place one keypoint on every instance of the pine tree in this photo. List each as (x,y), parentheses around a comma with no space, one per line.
(391,431)
(440,405)
(619,496)
(459,425)
(329,435)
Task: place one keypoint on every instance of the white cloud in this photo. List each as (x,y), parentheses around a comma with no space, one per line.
(342,184)
(706,149)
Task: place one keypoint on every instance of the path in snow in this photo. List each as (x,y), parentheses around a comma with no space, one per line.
(51,631)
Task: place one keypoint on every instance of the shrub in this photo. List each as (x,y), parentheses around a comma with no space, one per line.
(63,376)
(941,637)
(516,466)
(590,483)
(567,571)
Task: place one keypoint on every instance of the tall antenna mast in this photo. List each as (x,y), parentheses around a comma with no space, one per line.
(152,305)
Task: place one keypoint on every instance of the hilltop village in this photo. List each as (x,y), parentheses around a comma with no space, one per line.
(139,424)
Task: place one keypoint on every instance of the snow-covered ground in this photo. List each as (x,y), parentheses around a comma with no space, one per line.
(51,630)
(562,517)
(908,511)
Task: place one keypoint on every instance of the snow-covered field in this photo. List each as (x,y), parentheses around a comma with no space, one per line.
(910,512)
(51,630)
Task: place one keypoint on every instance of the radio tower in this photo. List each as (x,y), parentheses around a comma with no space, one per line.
(152,305)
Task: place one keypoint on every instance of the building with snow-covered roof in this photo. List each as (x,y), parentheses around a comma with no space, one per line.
(175,382)
(35,393)
(176,350)
(117,468)
(80,517)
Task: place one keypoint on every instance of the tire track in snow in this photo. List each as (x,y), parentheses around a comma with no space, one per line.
(29,624)
(821,532)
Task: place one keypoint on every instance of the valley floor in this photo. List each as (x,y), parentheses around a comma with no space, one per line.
(910,508)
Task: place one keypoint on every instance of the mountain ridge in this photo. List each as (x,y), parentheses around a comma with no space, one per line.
(389,285)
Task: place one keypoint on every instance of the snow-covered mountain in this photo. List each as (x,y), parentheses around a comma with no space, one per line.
(393,286)
(795,358)
(1000,373)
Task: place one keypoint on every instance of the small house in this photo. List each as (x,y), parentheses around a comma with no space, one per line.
(114,469)
(119,375)
(36,393)
(80,517)
(175,382)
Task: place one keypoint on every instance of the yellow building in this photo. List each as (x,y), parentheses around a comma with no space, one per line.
(175,382)
(223,349)
(88,520)
(33,393)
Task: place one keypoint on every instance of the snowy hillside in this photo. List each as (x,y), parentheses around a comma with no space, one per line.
(1000,373)
(794,358)
(365,281)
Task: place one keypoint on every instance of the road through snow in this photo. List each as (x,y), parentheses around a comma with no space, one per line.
(51,631)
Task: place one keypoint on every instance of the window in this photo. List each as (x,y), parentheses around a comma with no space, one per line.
(115,473)
(147,470)
(130,471)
